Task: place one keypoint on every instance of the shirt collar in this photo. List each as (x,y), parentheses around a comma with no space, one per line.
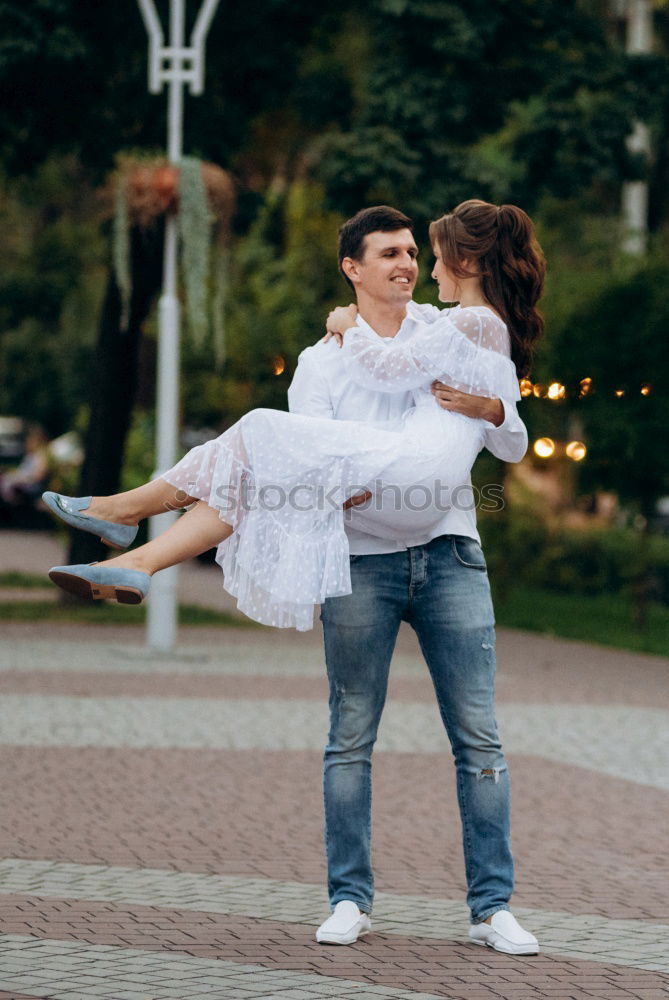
(405,325)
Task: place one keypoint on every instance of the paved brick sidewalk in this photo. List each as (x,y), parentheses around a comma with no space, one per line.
(161,830)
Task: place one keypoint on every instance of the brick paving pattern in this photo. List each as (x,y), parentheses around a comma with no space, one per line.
(162,830)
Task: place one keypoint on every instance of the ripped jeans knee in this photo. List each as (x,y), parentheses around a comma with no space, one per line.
(489,772)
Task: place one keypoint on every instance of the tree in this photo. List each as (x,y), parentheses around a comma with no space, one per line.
(113,380)
(417,102)
(52,274)
(390,100)
(543,80)
(618,339)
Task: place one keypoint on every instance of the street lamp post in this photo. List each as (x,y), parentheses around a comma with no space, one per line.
(639,41)
(176,65)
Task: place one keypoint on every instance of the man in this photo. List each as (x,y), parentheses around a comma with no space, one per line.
(435,578)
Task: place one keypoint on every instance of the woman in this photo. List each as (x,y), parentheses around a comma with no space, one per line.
(269,491)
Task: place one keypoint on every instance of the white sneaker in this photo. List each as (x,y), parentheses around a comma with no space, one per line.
(504,933)
(345,926)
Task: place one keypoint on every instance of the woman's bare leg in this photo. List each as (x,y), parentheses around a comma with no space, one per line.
(196,531)
(133,506)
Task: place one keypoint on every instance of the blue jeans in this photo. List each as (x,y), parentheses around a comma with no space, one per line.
(442,590)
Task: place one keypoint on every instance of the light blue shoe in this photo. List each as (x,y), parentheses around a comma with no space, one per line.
(70,510)
(96,581)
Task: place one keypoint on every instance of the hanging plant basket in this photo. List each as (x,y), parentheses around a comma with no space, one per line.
(201,196)
(152,189)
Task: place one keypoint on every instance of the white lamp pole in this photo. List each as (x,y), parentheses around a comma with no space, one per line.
(175,65)
(635,193)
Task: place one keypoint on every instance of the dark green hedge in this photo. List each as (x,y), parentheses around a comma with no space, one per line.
(521,549)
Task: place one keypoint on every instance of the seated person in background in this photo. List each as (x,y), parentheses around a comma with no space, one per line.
(26,482)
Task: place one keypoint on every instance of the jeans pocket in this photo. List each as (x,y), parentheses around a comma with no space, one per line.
(468,552)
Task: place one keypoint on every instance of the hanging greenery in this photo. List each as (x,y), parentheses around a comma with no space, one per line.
(221,270)
(121,251)
(202,198)
(195,223)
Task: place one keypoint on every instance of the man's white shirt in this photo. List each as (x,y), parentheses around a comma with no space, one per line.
(321,388)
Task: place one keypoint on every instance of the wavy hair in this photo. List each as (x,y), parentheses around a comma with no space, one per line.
(502,242)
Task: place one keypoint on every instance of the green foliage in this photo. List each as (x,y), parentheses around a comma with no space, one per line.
(389,100)
(455,90)
(617,337)
(52,272)
(282,281)
(528,551)
(139,462)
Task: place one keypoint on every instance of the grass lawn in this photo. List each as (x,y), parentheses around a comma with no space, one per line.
(24,581)
(602,618)
(106,613)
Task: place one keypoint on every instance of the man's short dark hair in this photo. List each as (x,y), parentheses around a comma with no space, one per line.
(377,219)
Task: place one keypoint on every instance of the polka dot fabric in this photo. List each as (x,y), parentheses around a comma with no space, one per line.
(468,349)
(280,479)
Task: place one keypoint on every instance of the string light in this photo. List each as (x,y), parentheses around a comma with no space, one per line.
(556,391)
(278,365)
(544,447)
(576,450)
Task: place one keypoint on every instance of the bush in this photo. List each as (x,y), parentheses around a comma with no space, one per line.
(527,551)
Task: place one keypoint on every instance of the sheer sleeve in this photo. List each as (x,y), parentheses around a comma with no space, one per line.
(467,348)
(425,312)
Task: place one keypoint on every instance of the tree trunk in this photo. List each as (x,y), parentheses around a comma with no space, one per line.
(114,382)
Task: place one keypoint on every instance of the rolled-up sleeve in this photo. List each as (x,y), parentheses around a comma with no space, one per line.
(507,442)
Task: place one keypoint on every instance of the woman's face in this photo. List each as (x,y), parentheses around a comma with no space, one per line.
(449,286)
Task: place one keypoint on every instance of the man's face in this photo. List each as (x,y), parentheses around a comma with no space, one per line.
(388,268)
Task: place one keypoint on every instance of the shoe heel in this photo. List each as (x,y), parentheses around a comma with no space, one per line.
(112,592)
(128,596)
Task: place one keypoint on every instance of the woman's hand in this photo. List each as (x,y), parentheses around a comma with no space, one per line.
(480,407)
(339,321)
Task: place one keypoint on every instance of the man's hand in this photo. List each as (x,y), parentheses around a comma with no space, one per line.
(339,321)
(357,500)
(449,398)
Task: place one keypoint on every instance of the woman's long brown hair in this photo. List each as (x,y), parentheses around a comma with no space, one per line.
(501,241)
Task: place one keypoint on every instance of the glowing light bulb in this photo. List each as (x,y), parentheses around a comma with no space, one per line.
(537,390)
(646,389)
(576,450)
(586,386)
(544,447)
(556,391)
(526,387)
(620,393)
(278,365)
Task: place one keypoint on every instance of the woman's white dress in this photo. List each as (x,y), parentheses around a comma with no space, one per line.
(280,479)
